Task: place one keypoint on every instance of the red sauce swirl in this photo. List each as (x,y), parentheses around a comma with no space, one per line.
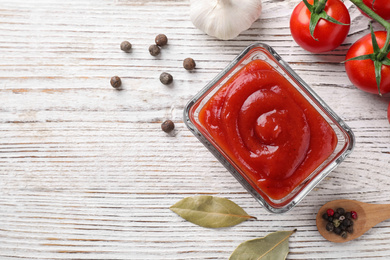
(268,129)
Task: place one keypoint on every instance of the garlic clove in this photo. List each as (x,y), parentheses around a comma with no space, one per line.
(224,19)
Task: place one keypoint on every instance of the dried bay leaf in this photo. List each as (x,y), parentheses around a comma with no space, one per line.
(210,211)
(274,246)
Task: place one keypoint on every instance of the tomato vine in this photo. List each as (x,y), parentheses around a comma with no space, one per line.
(379,55)
(322,25)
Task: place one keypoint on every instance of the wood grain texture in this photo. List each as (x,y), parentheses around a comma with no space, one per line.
(87,173)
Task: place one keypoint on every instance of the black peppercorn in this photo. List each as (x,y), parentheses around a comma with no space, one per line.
(336,215)
(330,219)
(337,230)
(161,40)
(126,46)
(330,226)
(343,227)
(189,64)
(348,215)
(347,222)
(166,78)
(167,126)
(325,216)
(116,82)
(154,50)
(341,211)
(344,234)
(350,229)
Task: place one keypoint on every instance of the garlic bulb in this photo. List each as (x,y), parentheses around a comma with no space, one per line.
(224,19)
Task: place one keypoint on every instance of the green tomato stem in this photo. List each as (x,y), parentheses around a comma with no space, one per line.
(320,6)
(385,49)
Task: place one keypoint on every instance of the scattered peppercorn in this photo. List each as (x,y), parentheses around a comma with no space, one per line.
(116,82)
(166,78)
(167,126)
(339,221)
(189,64)
(154,50)
(126,46)
(161,40)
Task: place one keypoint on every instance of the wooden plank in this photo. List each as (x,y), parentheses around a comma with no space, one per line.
(86,172)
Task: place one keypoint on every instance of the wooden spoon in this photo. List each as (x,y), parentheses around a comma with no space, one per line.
(368,215)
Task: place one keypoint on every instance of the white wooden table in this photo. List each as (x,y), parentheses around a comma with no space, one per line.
(87,173)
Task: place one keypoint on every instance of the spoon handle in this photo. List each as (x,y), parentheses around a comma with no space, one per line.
(377,213)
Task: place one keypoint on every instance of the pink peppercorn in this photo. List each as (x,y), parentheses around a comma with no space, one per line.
(354,214)
(330,212)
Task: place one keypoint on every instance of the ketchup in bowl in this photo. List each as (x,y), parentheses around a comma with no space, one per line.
(268,128)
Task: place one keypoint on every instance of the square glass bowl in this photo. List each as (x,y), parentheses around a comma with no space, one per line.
(225,151)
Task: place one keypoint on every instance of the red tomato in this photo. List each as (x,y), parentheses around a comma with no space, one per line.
(329,35)
(362,72)
(381,7)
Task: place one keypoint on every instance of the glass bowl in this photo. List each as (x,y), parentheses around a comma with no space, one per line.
(276,189)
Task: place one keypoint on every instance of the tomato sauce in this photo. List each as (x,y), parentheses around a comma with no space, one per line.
(269,131)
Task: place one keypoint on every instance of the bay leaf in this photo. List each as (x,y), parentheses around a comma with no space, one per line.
(274,246)
(210,211)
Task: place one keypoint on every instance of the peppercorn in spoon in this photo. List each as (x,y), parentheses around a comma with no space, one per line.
(364,216)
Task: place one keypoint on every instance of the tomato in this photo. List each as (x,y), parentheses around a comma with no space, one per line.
(381,7)
(362,72)
(329,35)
